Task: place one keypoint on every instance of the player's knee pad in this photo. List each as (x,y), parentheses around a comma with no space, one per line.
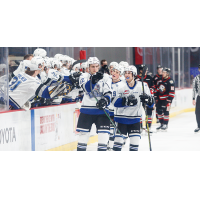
(102,141)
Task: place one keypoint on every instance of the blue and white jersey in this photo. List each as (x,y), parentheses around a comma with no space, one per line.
(113,90)
(128,114)
(22,88)
(101,88)
(65,71)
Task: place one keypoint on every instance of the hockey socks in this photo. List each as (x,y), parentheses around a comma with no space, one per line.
(118,143)
(82,141)
(102,141)
(81,147)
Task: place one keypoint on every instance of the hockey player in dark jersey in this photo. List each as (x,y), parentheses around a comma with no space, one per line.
(149,80)
(156,79)
(165,95)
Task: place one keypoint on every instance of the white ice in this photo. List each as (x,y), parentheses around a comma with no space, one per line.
(179,137)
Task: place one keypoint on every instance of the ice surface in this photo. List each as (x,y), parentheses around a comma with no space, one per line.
(179,137)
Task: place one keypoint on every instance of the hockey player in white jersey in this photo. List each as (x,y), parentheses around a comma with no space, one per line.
(85,67)
(25,86)
(128,103)
(92,111)
(117,72)
(110,67)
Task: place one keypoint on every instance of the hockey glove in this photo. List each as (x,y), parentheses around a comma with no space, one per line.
(150,101)
(95,78)
(129,101)
(102,103)
(74,78)
(144,98)
(132,101)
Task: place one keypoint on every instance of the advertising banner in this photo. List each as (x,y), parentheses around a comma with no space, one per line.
(15,131)
(54,126)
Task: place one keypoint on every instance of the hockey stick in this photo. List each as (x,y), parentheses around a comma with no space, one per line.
(78,61)
(104,108)
(144,106)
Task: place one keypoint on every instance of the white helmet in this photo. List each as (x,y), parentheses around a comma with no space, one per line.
(34,66)
(57,56)
(118,67)
(132,69)
(40,52)
(37,60)
(26,64)
(112,64)
(78,65)
(125,64)
(84,65)
(93,60)
(55,63)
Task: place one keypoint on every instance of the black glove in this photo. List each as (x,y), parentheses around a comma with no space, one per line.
(129,101)
(98,76)
(144,98)
(102,103)
(150,101)
(132,101)
(74,78)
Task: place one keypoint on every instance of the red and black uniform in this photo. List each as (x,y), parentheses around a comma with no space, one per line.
(149,80)
(156,79)
(165,94)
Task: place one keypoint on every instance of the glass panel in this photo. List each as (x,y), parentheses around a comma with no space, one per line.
(4,79)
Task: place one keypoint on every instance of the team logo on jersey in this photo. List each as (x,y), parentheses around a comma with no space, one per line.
(126,92)
(171,81)
(82,81)
(162,89)
(156,78)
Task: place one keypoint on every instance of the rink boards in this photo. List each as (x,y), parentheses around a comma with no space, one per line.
(53,127)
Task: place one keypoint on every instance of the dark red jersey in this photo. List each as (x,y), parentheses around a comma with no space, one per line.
(165,89)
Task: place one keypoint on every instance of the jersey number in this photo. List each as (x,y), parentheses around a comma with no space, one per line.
(15,83)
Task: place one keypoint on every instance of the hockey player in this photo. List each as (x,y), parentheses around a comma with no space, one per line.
(92,111)
(110,67)
(117,72)
(149,80)
(85,68)
(165,94)
(128,102)
(156,79)
(196,99)
(25,86)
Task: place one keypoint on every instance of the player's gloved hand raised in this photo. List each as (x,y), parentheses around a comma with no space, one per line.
(74,78)
(98,76)
(102,103)
(144,98)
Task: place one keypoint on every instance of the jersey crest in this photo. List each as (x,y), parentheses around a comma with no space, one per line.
(162,89)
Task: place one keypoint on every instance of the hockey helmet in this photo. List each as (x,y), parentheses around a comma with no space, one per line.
(40,52)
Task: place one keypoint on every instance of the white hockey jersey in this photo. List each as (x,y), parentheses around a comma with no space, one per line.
(101,88)
(129,114)
(113,90)
(26,87)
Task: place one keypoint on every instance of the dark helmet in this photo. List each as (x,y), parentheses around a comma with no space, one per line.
(199,66)
(168,70)
(159,66)
(141,67)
